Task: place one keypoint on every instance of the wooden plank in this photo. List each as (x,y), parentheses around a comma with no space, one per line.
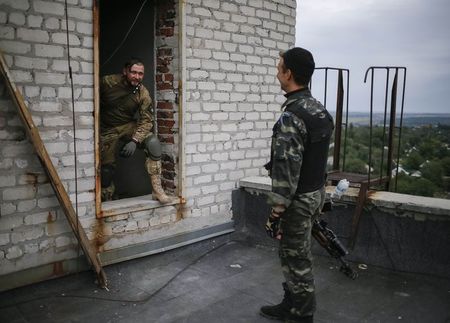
(98,185)
(57,185)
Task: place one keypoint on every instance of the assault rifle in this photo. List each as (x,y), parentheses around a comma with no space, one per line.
(328,240)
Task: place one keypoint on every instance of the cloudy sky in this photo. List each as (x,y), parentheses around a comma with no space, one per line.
(356,34)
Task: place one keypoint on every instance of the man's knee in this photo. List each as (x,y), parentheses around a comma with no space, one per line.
(153,147)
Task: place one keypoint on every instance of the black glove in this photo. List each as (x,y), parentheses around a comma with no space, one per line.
(128,149)
(273,225)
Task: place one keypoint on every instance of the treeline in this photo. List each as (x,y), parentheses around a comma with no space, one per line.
(424,157)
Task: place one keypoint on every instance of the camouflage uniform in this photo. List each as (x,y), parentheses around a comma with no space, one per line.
(289,146)
(118,108)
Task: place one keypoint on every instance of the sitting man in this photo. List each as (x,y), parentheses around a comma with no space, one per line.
(122,98)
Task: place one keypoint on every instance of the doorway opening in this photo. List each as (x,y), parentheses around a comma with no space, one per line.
(146,30)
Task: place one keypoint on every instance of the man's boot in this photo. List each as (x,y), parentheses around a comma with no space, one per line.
(154,170)
(281,311)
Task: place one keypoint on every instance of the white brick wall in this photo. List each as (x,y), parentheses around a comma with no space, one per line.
(232,101)
(33,40)
(232,93)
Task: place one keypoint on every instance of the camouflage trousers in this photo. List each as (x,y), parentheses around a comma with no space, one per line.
(295,250)
(110,141)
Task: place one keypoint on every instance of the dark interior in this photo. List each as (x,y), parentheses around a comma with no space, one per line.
(120,40)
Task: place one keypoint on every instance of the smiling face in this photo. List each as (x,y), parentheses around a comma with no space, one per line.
(134,74)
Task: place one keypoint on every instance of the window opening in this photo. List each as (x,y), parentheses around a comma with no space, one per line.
(128,30)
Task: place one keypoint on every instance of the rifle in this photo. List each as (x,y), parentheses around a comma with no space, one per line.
(328,240)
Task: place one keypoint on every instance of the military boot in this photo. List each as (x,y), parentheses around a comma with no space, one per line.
(157,190)
(154,170)
(280,311)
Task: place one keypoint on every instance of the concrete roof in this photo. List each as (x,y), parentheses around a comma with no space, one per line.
(224,280)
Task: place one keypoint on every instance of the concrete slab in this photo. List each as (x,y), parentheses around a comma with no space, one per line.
(224,280)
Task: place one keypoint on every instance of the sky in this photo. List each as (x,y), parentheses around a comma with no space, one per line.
(357,34)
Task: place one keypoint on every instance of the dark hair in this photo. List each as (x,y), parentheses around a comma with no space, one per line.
(133,61)
(301,63)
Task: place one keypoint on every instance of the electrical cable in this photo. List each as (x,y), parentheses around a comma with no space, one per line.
(126,35)
(74,132)
(141,300)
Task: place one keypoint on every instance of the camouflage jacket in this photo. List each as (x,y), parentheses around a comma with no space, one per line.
(289,139)
(119,105)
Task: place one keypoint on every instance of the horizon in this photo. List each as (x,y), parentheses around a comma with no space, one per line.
(357,34)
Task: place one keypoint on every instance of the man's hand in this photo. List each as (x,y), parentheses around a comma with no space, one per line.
(273,223)
(128,149)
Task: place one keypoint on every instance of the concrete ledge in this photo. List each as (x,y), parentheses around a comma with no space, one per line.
(397,231)
(133,204)
(433,207)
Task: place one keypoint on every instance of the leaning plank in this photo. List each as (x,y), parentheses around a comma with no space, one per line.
(46,162)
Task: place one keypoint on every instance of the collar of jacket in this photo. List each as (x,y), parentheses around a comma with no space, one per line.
(293,96)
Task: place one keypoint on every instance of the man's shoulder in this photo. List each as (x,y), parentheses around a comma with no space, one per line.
(112,79)
(310,104)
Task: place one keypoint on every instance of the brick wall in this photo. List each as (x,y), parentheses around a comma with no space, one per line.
(232,100)
(167,87)
(233,97)
(33,229)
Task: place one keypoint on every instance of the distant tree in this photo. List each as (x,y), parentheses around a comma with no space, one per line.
(413,160)
(355,166)
(434,172)
(415,186)
(445,162)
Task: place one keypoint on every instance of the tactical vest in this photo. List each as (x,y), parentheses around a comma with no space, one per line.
(315,156)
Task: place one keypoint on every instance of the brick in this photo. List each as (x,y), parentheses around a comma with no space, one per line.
(4,239)
(84,28)
(14,252)
(33,35)
(31,62)
(46,106)
(48,7)
(52,23)
(40,218)
(61,38)
(19,193)
(7,180)
(29,233)
(48,92)
(81,14)
(49,50)
(17,4)
(47,202)
(25,206)
(31,248)
(7,208)
(202,12)
(15,47)
(205,200)
(16,18)
(34,21)
(62,241)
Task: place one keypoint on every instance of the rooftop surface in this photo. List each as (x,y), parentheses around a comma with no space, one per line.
(224,280)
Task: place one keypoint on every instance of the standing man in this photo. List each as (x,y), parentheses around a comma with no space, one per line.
(299,152)
(126,115)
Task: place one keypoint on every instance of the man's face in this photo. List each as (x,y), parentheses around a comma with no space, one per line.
(283,74)
(134,74)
